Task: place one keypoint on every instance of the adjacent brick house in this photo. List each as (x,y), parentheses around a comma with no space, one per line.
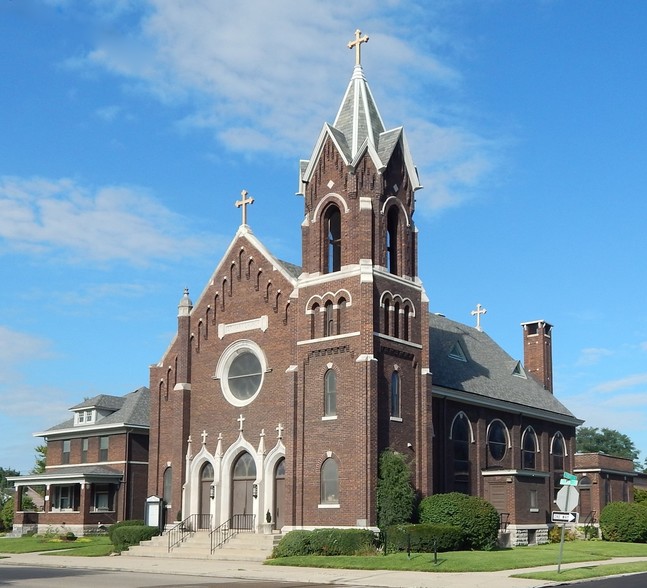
(284,383)
(97,467)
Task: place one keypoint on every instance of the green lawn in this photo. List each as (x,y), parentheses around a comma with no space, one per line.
(83,546)
(586,572)
(475,561)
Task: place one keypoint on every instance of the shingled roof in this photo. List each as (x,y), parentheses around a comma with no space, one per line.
(485,370)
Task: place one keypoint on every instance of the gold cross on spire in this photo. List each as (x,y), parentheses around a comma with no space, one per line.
(244,202)
(357,43)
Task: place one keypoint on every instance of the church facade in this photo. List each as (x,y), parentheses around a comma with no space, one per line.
(284,384)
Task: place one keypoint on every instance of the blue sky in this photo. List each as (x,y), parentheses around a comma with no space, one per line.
(130,128)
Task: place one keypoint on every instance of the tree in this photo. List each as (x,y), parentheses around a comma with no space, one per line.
(609,441)
(41,459)
(395,494)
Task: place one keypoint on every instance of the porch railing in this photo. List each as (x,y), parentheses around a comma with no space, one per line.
(186,528)
(236,524)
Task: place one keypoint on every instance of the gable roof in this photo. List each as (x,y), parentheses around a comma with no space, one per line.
(488,374)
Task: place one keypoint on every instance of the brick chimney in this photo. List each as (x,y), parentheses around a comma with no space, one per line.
(538,352)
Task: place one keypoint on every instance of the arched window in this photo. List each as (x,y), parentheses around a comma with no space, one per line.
(396,319)
(387,310)
(167,485)
(460,440)
(314,317)
(329,324)
(395,394)
(405,322)
(332,226)
(497,440)
(341,314)
(329,482)
(529,450)
(330,393)
(392,240)
(557,451)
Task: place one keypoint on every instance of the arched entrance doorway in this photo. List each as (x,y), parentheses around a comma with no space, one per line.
(206,481)
(242,488)
(279,493)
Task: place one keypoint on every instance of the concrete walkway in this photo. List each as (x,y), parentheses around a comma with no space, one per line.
(257,571)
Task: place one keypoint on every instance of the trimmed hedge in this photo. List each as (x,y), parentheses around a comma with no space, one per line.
(624,521)
(125,536)
(477,518)
(423,538)
(325,542)
(134,523)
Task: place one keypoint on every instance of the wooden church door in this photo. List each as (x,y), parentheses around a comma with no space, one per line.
(279,493)
(206,480)
(244,474)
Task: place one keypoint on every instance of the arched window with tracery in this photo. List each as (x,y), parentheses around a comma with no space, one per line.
(329,482)
(529,449)
(332,227)
(460,442)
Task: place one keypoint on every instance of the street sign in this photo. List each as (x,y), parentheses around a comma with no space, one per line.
(570,476)
(567,498)
(565,517)
(565,482)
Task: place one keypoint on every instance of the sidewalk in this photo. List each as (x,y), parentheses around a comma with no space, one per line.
(257,571)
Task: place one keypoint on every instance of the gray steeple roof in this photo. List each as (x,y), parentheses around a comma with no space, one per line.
(485,371)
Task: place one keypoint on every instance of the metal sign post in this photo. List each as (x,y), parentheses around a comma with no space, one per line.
(567,499)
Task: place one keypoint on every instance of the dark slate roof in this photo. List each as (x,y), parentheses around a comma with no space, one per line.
(133,410)
(487,371)
(104,401)
(290,268)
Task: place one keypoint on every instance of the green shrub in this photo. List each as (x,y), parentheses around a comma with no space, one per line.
(555,534)
(134,523)
(395,495)
(624,521)
(423,538)
(325,542)
(125,536)
(477,518)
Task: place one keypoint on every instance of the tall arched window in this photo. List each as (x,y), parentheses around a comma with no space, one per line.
(497,440)
(460,440)
(330,393)
(332,226)
(396,319)
(387,311)
(314,317)
(167,486)
(557,451)
(329,324)
(529,450)
(341,315)
(329,485)
(395,394)
(392,240)
(405,322)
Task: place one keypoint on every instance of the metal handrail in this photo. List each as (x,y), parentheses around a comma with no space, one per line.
(187,527)
(237,523)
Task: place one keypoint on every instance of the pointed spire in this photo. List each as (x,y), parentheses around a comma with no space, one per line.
(358,118)
(185,306)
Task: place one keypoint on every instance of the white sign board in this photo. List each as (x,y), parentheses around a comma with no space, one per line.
(567,498)
(565,517)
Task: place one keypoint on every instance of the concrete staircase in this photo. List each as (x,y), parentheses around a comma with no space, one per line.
(244,546)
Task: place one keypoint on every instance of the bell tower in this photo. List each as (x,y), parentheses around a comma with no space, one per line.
(362,335)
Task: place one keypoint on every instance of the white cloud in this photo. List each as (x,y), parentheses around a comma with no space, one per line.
(265,76)
(626,383)
(41,215)
(592,355)
(17,347)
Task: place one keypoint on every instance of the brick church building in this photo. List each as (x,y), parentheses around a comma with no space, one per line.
(284,384)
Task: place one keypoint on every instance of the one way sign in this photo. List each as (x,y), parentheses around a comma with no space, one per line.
(565,517)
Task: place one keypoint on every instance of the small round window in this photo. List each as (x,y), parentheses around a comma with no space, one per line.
(240,371)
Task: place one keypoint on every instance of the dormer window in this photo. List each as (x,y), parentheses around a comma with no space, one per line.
(84,417)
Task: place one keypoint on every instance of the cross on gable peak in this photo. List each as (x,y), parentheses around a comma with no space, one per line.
(204,436)
(279,429)
(243,203)
(478,312)
(357,43)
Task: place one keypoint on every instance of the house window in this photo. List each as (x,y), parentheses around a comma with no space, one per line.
(392,240)
(104,444)
(329,482)
(534,505)
(461,449)
(65,458)
(395,394)
(497,440)
(102,498)
(330,393)
(332,225)
(64,498)
(84,450)
(528,450)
